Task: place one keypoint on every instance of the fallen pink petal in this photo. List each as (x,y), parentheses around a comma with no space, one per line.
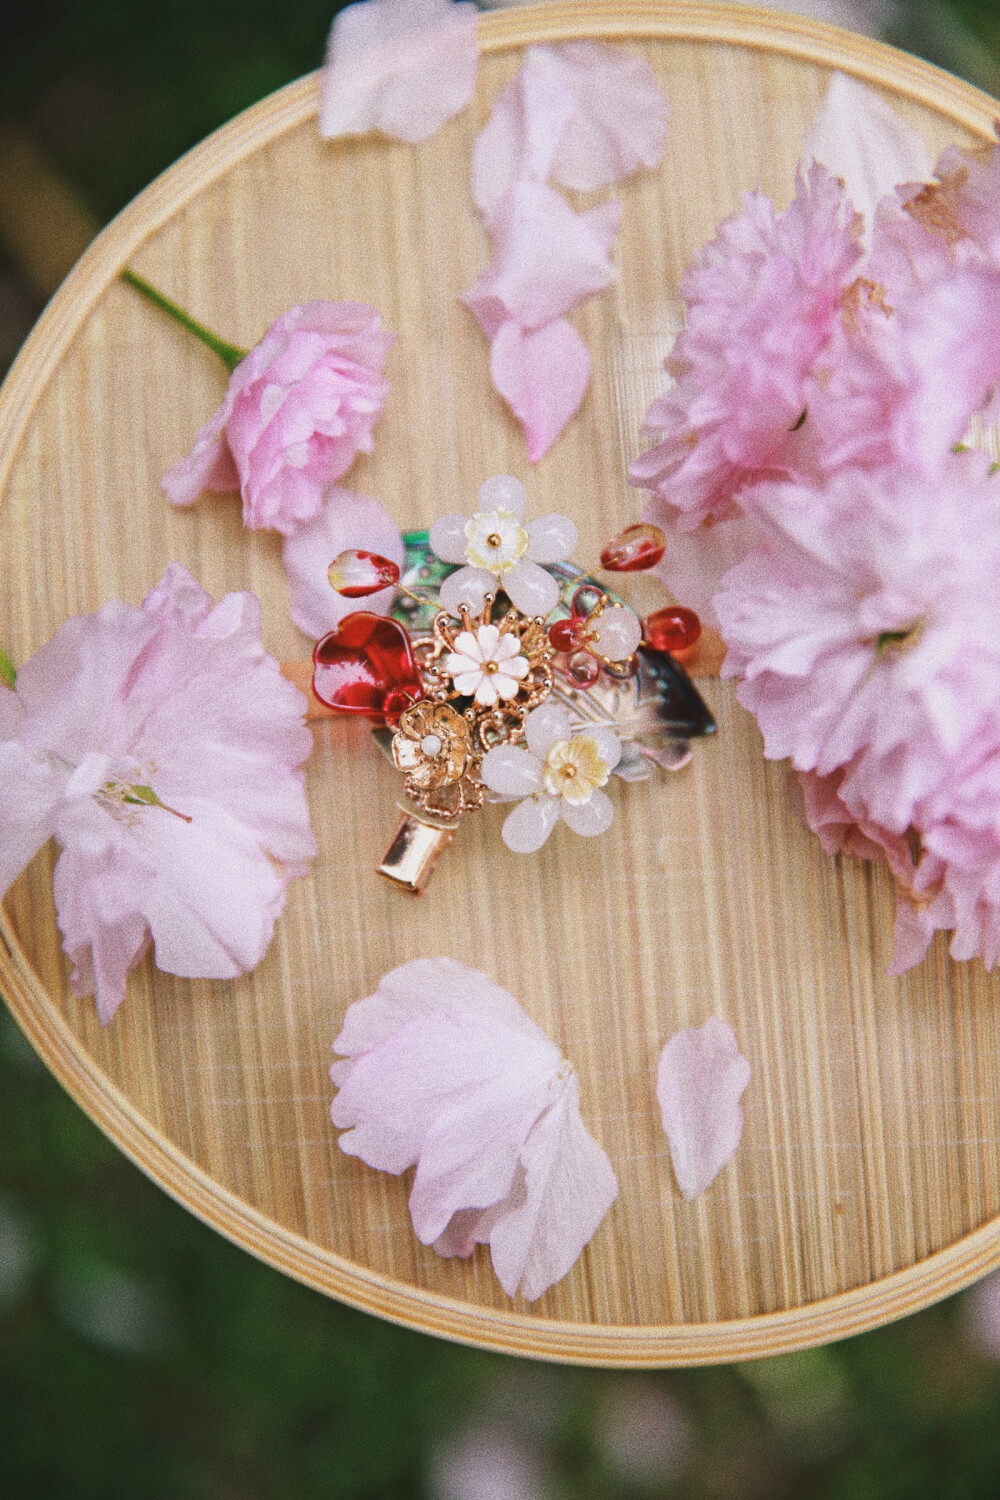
(701,1079)
(400,67)
(542,376)
(582,113)
(546,258)
(447,1074)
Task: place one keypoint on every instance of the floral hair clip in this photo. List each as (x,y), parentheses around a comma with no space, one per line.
(506,673)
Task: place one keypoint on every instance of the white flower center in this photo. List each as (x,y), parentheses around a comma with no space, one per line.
(496,541)
(431,745)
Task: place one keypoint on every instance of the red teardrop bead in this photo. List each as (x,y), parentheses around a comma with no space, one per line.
(366,666)
(674,630)
(566,635)
(635,549)
(355,574)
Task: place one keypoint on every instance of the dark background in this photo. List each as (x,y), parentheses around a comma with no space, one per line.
(141,1354)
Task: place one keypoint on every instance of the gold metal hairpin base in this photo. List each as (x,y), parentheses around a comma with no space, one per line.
(416,847)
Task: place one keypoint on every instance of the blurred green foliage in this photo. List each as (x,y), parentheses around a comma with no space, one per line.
(143,1355)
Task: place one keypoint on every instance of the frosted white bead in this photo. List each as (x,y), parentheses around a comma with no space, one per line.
(503,492)
(618,633)
(431,745)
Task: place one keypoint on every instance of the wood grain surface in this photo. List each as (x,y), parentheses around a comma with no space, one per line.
(868,1181)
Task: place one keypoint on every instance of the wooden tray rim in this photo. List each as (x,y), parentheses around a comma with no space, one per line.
(651,1346)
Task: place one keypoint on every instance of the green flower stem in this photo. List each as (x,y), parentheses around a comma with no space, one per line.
(230,354)
(8,671)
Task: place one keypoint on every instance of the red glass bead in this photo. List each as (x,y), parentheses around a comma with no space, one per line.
(566,635)
(354,574)
(635,549)
(366,666)
(583,669)
(585,600)
(674,630)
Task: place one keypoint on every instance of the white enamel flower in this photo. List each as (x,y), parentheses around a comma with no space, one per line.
(487,665)
(559,776)
(498,550)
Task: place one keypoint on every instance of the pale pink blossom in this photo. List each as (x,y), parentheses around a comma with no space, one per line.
(582,113)
(866,627)
(547,258)
(543,376)
(700,1081)
(346,520)
(763,299)
(558,777)
(487,665)
(443,1071)
(401,67)
(297,411)
(964,201)
(695,562)
(500,552)
(162,747)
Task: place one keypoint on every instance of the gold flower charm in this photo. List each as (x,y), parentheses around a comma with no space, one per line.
(432,745)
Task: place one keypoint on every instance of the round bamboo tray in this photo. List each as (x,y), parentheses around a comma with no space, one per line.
(868,1180)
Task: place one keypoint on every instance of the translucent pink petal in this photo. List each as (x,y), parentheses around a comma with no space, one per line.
(519,140)
(468,586)
(542,376)
(701,1079)
(402,67)
(620,121)
(546,258)
(346,521)
(589,818)
(511,772)
(423,987)
(533,590)
(860,138)
(30,788)
(570,1185)
(526,829)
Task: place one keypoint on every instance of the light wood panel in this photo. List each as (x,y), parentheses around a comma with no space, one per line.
(868,1181)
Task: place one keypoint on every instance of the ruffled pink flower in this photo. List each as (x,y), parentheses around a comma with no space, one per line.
(763,299)
(297,411)
(346,521)
(444,1071)
(866,628)
(582,113)
(402,67)
(161,746)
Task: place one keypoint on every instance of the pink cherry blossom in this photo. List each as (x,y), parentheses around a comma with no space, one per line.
(700,1081)
(161,746)
(583,113)
(402,67)
(346,520)
(297,411)
(443,1071)
(866,628)
(763,299)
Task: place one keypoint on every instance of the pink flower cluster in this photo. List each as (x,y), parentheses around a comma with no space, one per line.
(585,115)
(813,447)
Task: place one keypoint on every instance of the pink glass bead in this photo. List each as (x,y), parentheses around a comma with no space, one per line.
(674,629)
(583,669)
(585,600)
(355,575)
(617,633)
(635,549)
(566,635)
